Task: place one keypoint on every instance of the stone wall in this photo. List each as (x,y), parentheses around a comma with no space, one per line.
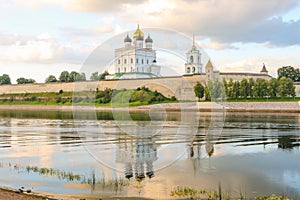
(179,86)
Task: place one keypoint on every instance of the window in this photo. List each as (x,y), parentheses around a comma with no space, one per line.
(125,69)
(188,70)
(119,61)
(125,61)
(137,61)
(142,61)
(191,59)
(198,59)
(119,70)
(131,60)
(194,70)
(147,61)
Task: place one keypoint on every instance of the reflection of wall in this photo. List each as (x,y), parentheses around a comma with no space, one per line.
(5,133)
(137,154)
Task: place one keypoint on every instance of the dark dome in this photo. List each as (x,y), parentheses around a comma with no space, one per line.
(127,39)
(149,39)
(140,37)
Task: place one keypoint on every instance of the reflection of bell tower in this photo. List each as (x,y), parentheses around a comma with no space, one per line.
(137,155)
(193,63)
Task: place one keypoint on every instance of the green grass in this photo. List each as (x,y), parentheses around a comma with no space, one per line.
(106,98)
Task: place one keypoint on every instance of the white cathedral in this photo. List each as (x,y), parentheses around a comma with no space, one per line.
(137,59)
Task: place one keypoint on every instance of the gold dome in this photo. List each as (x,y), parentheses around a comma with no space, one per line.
(138,32)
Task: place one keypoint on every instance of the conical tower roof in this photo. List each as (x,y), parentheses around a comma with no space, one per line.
(264,69)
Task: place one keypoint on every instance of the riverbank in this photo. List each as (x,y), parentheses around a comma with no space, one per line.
(265,107)
(11,194)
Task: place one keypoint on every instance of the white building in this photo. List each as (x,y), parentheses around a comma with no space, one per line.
(136,59)
(193,63)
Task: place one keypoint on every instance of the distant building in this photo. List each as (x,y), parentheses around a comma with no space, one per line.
(193,63)
(137,59)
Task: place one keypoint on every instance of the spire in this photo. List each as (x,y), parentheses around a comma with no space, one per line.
(264,69)
(193,40)
(194,47)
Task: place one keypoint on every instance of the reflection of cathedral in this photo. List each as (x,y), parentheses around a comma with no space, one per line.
(137,155)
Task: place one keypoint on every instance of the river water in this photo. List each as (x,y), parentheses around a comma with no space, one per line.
(149,156)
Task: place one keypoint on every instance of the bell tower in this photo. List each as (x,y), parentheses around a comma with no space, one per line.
(193,63)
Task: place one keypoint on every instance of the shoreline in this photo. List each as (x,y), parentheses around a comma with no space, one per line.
(252,107)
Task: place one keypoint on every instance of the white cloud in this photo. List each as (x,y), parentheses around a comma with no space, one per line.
(81,5)
(40,49)
(255,64)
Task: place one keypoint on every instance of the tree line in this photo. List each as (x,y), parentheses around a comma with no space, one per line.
(64,76)
(246,88)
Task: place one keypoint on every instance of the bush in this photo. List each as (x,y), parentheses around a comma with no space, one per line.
(60,91)
(58,100)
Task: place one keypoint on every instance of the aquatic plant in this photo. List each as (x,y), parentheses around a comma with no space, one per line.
(192,193)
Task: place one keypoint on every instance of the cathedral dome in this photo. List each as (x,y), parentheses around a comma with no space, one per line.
(138,33)
(140,38)
(127,39)
(149,39)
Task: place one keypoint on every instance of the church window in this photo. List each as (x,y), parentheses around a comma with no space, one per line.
(142,61)
(137,61)
(131,60)
(191,59)
(125,61)
(119,61)
(188,70)
(198,59)
(147,61)
(194,70)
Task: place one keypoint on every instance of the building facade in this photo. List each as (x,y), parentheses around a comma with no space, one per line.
(137,59)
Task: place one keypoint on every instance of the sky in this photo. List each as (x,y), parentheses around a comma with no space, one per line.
(43,37)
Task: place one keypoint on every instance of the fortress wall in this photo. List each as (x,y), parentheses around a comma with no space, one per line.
(180,86)
(297,85)
(241,76)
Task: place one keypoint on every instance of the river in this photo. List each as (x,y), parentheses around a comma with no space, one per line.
(246,154)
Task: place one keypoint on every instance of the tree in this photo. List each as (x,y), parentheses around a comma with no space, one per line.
(94,76)
(103,75)
(199,90)
(64,76)
(215,90)
(225,87)
(51,79)
(286,87)
(260,88)
(236,90)
(244,88)
(289,72)
(272,87)
(73,76)
(230,88)
(251,87)
(5,79)
(25,80)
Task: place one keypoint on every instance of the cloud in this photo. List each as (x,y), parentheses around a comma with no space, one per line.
(82,5)
(40,49)
(81,32)
(225,21)
(255,64)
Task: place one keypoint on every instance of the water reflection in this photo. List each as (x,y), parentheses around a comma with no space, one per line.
(257,152)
